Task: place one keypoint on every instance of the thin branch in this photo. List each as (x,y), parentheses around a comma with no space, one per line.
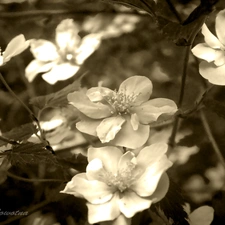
(9,141)
(174,11)
(9,174)
(211,138)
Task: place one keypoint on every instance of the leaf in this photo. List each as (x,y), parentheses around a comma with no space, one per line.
(215,106)
(57,99)
(20,133)
(30,153)
(171,206)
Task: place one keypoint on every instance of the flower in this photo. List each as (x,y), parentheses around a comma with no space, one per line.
(120,117)
(62,60)
(117,184)
(213,52)
(17,45)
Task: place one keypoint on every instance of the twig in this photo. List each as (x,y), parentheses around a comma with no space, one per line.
(211,138)
(32,180)
(7,140)
(173,10)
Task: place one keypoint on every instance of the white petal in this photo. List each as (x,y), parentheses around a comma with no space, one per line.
(44,50)
(203,51)
(95,170)
(220,18)
(109,127)
(220,58)
(210,39)
(214,74)
(120,220)
(103,212)
(60,72)
(131,203)
(125,161)
(97,94)
(134,121)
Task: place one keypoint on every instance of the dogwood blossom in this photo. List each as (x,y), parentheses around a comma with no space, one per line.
(17,45)
(213,52)
(62,59)
(120,117)
(118,185)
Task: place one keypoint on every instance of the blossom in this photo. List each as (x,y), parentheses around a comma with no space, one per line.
(62,60)
(213,52)
(17,45)
(120,117)
(117,184)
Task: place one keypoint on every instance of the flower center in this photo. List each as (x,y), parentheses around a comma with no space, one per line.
(120,102)
(123,179)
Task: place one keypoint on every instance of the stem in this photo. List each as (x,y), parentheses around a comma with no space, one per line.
(173,10)
(181,97)
(211,138)
(42,138)
(9,174)
(6,140)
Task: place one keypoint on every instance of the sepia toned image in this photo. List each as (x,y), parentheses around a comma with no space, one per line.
(112,112)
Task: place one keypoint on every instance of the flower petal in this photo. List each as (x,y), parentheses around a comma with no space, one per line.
(131,203)
(134,121)
(88,45)
(125,161)
(109,127)
(88,126)
(202,216)
(35,67)
(104,212)
(220,18)
(105,154)
(219,58)
(210,39)
(90,109)
(17,45)
(95,170)
(161,189)
(94,191)
(60,72)
(43,50)
(150,111)
(203,51)
(214,74)
(97,94)
(120,220)
(129,138)
(147,183)
(138,86)
(151,154)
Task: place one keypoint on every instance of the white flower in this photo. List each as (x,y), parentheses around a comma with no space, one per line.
(213,52)
(62,60)
(117,184)
(17,45)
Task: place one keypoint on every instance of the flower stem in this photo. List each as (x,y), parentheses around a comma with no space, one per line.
(33,117)
(181,97)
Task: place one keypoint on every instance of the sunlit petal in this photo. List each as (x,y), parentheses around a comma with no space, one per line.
(104,154)
(220,18)
(35,67)
(109,127)
(134,121)
(96,192)
(146,184)
(203,51)
(88,126)
(210,39)
(120,220)
(130,138)
(131,203)
(150,111)
(139,86)
(219,58)
(97,94)
(43,50)
(126,160)
(214,74)
(104,212)
(90,109)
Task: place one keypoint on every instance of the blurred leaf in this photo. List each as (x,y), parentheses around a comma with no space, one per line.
(78,162)
(58,99)
(215,106)
(21,133)
(30,153)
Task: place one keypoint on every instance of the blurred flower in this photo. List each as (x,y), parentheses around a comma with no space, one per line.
(213,52)
(117,184)
(200,216)
(62,60)
(120,117)
(17,45)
